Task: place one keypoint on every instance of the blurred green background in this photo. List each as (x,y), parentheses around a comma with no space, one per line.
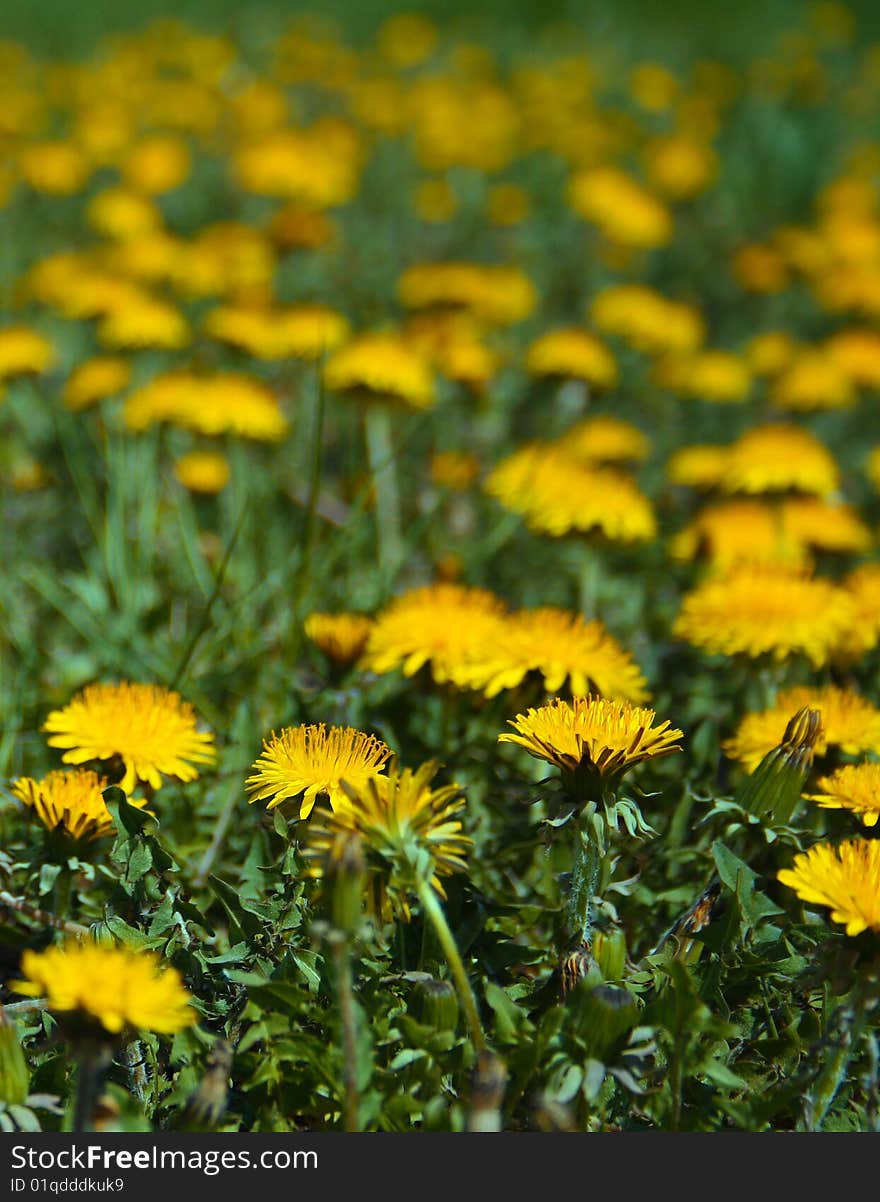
(726,29)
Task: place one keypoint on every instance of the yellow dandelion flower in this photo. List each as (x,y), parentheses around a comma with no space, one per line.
(142,321)
(739,532)
(653,87)
(849,722)
(557,496)
(406,827)
(298,227)
(295,332)
(853,787)
(563,648)
(574,354)
(779,458)
(495,295)
(117,987)
(24,352)
(440,624)
(846,878)
(863,585)
(70,801)
(152,730)
(857,353)
(56,168)
(697,466)
(202,471)
(94,380)
(455,470)
(623,210)
(680,166)
(120,213)
(436,201)
(648,321)
(766,610)
(384,367)
(406,39)
(770,353)
(307,761)
(342,637)
(319,166)
(825,525)
(606,737)
(708,375)
(759,267)
(605,440)
(220,403)
(156,164)
(451,341)
(813,380)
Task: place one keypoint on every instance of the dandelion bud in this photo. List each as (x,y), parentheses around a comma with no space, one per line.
(14,1076)
(346,879)
(609,950)
(436,1004)
(606,1013)
(775,785)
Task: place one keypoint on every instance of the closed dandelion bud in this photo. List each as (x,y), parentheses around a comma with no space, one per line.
(435,1004)
(14,1075)
(775,785)
(606,1015)
(609,951)
(346,880)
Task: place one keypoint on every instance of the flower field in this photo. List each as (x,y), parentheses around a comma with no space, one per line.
(440,592)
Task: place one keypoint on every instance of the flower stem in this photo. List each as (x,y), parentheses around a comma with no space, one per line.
(92,1062)
(584,878)
(380,453)
(345,987)
(434,911)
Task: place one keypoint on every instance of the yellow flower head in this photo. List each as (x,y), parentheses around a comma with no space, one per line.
(203,471)
(563,648)
(708,375)
(680,166)
(319,166)
(308,761)
(770,353)
(120,213)
(24,352)
(436,200)
(342,637)
(857,353)
(142,320)
(605,440)
(863,585)
(221,403)
(849,722)
(813,380)
(845,878)
(623,210)
(70,801)
(452,342)
(648,321)
(407,827)
(758,267)
(606,737)
(94,380)
(777,458)
(766,610)
(296,332)
(151,729)
(557,495)
(698,466)
(156,164)
(384,367)
(56,168)
(455,470)
(507,204)
(495,295)
(574,354)
(853,787)
(441,625)
(116,987)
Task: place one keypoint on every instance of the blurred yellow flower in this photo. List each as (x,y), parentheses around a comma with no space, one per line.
(94,380)
(24,352)
(202,471)
(383,367)
(342,637)
(853,787)
(623,210)
(574,354)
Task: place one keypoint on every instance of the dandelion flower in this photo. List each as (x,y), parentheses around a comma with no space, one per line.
(605,439)
(94,380)
(296,332)
(623,210)
(307,761)
(408,828)
(814,380)
(214,404)
(116,987)
(562,648)
(863,585)
(697,466)
(152,730)
(24,352)
(574,354)
(845,878)
(455,470)
(495,295)
(384,367)
(766,610)
(202,471)
(342,637)
(604,737)
(849,722)
(853,787)
(779,458)
(70,801)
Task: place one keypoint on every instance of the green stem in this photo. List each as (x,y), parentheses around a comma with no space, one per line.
(584,878)
(590,581)
(380,453)
(345,986)
(434,912)
(91,1065)
(311,506)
